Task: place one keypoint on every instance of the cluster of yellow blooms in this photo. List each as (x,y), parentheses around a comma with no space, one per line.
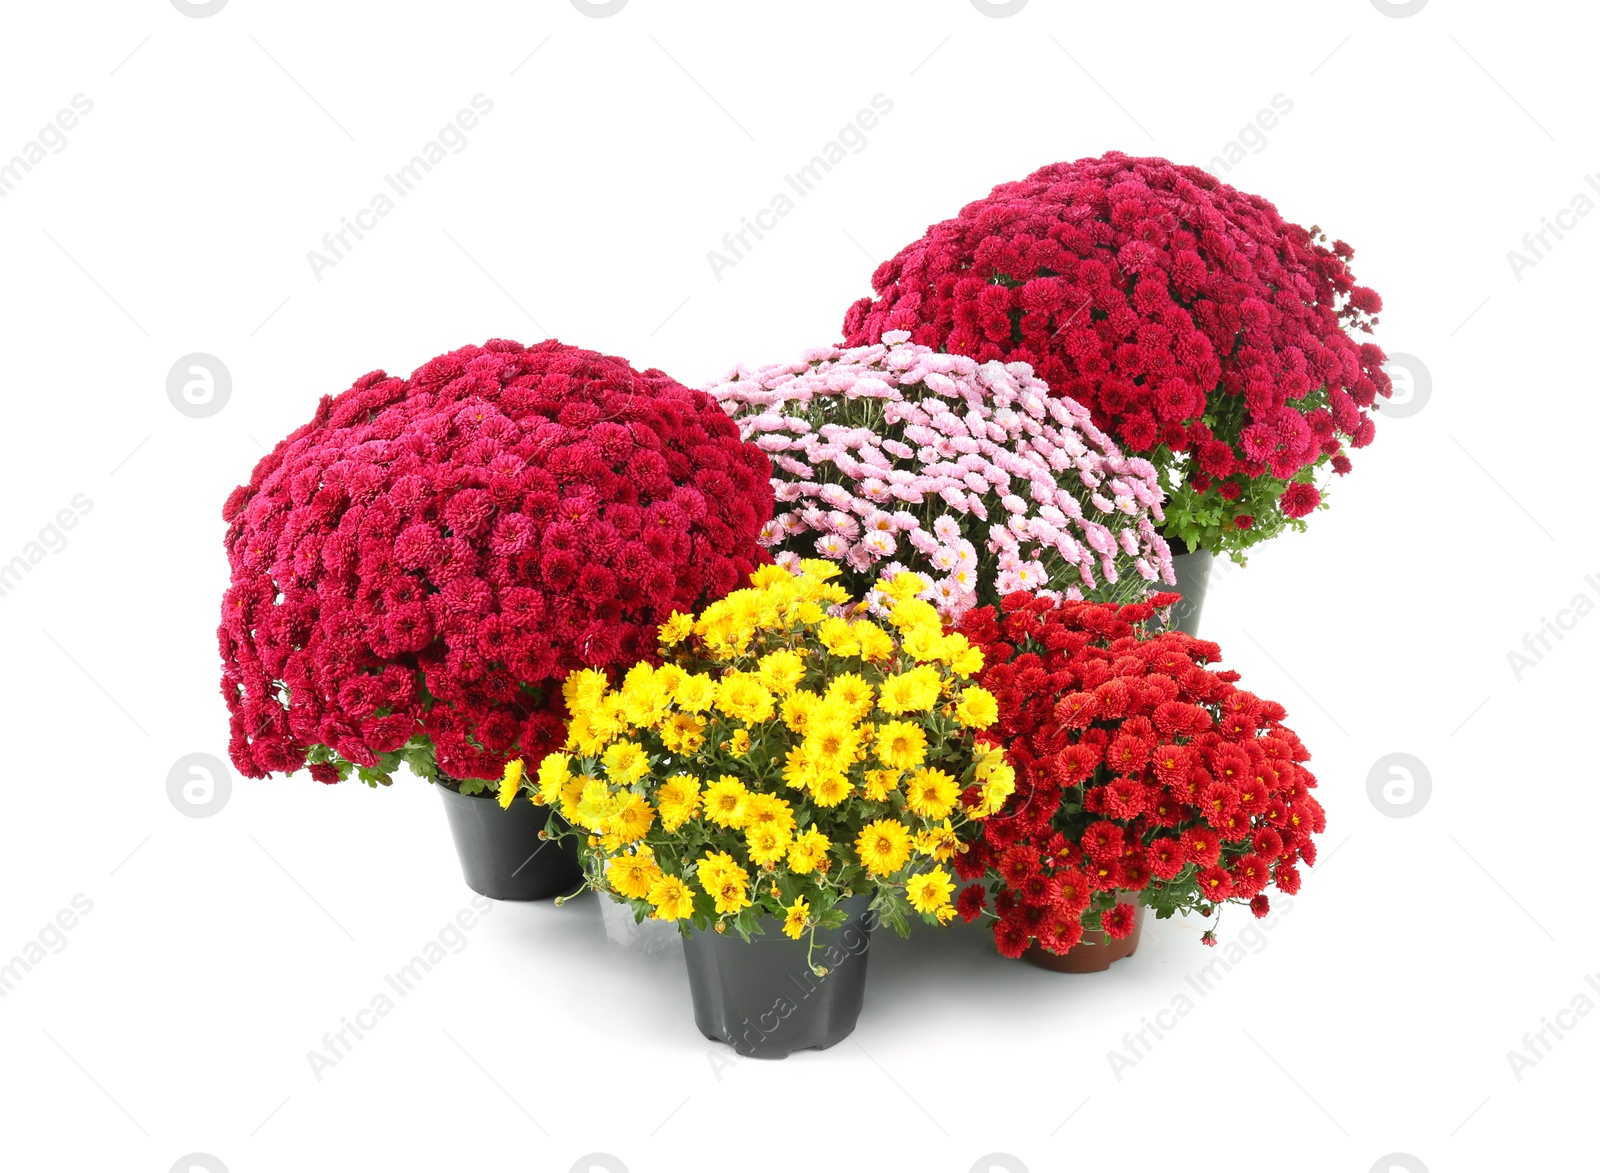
(790,750)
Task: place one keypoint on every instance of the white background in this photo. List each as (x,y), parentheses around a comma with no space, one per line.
(177,1018)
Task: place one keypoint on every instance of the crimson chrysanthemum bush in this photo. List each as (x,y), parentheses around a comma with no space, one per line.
(416,568)
(1197,326)
(1139,770)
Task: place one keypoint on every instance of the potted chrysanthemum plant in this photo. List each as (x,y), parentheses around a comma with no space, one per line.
(416,569)
(891,457)
(1146,779)
(792,772)
(1201,329)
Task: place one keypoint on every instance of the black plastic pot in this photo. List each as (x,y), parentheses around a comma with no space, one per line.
(1193,570)
(761,998)
(501,853)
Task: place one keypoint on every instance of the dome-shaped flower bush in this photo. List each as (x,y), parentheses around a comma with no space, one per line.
(1195,323)
(782,759)
(892,457)
(415,570)
(1139,770)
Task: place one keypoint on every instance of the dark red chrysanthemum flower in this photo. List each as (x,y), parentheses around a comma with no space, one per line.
(424,561)
(1159,297)
(1299,499)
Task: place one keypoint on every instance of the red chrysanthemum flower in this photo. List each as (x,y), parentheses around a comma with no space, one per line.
(1117,921)
(1158,297)
(416,568)
(1140,769)
(1011,937)
(1299,499)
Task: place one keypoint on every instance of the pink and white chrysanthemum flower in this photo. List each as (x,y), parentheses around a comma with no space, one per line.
(942,444)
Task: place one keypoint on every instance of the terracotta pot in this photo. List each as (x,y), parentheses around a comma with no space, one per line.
(1095,952)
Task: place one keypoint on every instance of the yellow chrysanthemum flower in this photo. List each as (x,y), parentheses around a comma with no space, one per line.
(768,809)
(852,694)
(583,689)
(510,783)
(744,698)
(584,737)
(644,700)
(838,637)
(668,677)
(883,846)
(632,875)
(738,742)
(876,785)
(939,841)
(964,659)
(910,614)
(999,787)
(607,722)
(553,774)
(631,818)
(831,745)
(595,805)
(818,570)
(677,799)
(987,758)
(672,897)
(905,692)
(901,745)
(782,671)
(905,585)
(769,575)
(929,893)
(724,881)
(695,693)
(767,843)
(625,762)
(809,852)
(876,644)
(724,802)
(924,644)
(797,771)
(931,793)
(572,794)
(796,916)
(798,707)
(676,629)
(683,732)
(829,789)
(977,708)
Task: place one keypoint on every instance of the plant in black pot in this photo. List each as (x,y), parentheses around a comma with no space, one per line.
(416,569)
(1201,329)
(782,782)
